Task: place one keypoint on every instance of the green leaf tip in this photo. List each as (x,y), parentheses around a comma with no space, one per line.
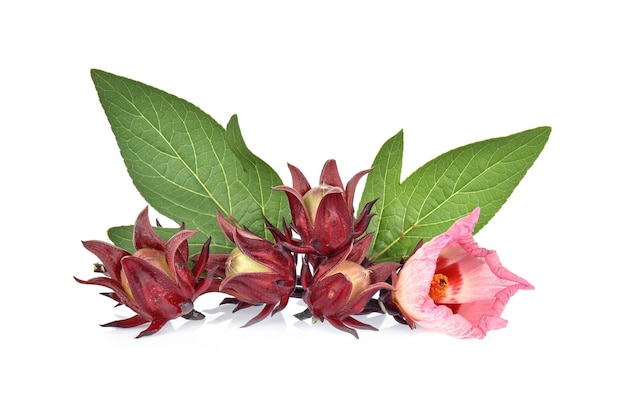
(429,200)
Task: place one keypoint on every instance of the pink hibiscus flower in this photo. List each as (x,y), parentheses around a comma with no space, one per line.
(452,285)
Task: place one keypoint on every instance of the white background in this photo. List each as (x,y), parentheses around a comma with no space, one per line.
(313,81)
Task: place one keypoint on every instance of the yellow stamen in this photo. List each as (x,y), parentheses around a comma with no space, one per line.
(438,286)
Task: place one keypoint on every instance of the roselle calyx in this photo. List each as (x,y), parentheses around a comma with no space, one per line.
(314,196)
(341,286)
(240,263)
(323,219)
(258,272)
(358,276)
(156,281)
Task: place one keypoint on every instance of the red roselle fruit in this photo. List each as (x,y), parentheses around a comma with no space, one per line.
(258,272)
(156,281)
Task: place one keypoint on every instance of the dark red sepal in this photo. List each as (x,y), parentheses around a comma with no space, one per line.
(144,235)
(126,323)
(154,292)
(109,255)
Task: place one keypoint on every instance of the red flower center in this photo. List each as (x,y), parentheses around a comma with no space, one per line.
(448,278)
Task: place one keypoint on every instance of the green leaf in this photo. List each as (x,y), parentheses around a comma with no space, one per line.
(185,164)
(257,179)
(444,189)
(122,236)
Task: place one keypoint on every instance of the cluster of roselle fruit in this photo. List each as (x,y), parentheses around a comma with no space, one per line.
(320,257)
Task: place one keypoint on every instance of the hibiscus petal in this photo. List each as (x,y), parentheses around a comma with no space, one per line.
(476,287)
(414,281)
(440,318)
(483,276)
